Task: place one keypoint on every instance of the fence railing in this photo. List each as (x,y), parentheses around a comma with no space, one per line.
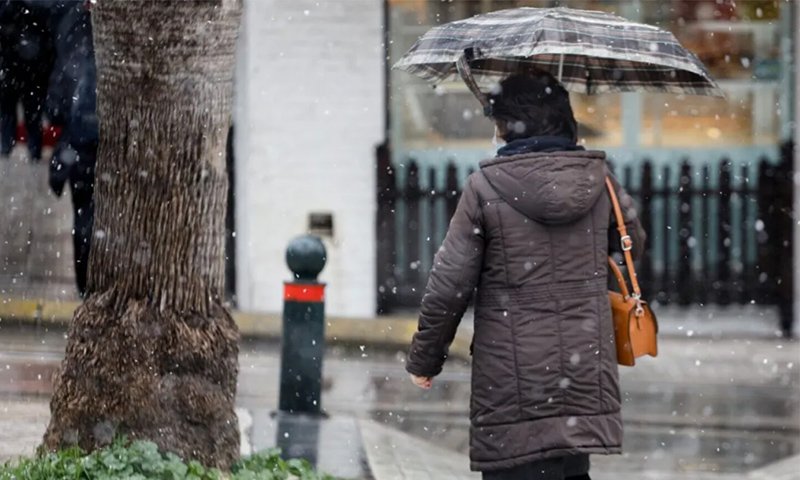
(717,233)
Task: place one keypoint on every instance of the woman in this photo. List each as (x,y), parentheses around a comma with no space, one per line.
(529,239)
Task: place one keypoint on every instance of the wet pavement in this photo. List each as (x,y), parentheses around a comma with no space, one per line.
(703,406)
(706,408)
(331,443)
(36,231)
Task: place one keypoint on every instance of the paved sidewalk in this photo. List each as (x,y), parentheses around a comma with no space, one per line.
(705,409)
(380,452)
(22,426)
(395,455)
(36,231)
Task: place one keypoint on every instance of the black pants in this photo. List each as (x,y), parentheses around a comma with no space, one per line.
(81,184)
(32,99)
(565,468)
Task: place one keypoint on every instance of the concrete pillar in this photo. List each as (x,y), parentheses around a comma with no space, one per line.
(310,114)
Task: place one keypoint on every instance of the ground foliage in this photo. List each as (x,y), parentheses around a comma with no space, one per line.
(142,460)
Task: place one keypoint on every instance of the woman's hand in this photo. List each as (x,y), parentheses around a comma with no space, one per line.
(422,382)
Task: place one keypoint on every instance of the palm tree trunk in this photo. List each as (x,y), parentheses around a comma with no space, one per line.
(152,353)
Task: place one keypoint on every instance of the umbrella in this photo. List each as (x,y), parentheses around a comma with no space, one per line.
(588,51)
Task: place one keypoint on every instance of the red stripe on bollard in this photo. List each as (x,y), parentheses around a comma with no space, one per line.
(303,293)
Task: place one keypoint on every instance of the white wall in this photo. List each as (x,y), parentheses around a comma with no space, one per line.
(309,116)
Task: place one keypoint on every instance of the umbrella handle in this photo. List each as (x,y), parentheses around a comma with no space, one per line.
(462,65)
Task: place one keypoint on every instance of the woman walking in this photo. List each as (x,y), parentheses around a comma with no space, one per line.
(529,240)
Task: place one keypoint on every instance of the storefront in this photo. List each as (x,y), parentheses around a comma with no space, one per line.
(745,44)
(438,136)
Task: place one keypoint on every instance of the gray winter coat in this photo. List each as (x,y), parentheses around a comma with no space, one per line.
(529,240)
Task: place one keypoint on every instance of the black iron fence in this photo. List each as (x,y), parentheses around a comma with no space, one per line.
(717,233)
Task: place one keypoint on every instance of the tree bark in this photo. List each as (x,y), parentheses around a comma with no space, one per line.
(152,353)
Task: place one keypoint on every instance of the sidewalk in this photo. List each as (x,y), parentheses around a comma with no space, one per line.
(360,448)
(706,408)
(36,230)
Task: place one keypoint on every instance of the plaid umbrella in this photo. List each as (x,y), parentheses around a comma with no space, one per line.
(588,51)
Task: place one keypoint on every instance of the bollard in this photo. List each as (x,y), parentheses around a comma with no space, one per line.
(297,436)
(303,327)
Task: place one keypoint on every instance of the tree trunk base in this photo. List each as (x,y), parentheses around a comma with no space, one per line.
(131,369)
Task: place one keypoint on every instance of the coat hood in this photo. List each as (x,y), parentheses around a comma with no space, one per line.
(552,187)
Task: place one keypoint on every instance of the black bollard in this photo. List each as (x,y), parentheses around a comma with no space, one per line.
(298,437)
(303,327)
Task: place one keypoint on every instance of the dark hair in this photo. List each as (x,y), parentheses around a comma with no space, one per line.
(533,104)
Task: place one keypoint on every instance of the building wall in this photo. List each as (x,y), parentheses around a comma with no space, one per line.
(309,116)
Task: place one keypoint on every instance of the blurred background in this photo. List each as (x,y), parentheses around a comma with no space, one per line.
(701,167)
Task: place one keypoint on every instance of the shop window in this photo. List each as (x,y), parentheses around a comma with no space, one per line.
(740,42)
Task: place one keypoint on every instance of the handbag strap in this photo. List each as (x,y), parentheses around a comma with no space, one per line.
(627,245)
(623,285)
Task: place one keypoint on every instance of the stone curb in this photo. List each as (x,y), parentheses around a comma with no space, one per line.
(395,455)
(394,332)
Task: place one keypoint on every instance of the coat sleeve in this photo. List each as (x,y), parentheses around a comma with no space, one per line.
(632,223)
(453,278)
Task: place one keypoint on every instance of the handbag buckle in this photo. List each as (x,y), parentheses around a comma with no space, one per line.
(626,243)
(639,309)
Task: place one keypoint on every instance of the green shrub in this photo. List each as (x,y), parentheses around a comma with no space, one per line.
(269,465)
(141,460)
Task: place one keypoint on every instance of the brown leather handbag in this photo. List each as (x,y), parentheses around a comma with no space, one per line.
(635,324)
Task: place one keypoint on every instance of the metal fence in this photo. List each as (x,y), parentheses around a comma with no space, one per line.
(717,233)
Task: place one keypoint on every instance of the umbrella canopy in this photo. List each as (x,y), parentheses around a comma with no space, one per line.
(588,51)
